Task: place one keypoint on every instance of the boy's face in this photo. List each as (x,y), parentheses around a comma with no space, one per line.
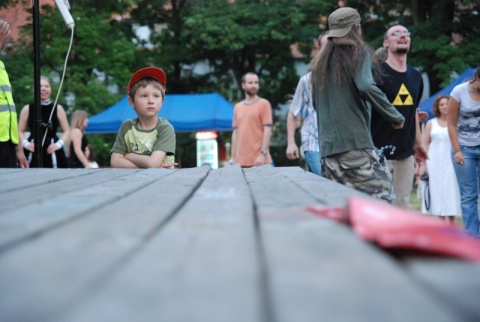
(147,101)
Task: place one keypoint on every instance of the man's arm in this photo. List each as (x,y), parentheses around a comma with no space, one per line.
(369,90)
(267,134)
(300,101)
(234,144)
(292,149)
(267,123)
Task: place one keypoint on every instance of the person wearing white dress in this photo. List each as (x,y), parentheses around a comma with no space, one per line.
(444,191)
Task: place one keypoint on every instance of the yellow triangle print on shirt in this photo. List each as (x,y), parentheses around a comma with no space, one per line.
(403,97)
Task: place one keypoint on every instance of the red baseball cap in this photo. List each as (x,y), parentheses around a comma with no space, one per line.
(152,72)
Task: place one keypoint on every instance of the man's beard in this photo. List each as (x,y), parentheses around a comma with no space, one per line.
(252,92)
(402,50)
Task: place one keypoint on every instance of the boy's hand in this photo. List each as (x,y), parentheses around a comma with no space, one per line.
(168,165)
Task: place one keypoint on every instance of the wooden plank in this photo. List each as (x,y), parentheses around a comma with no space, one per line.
(453,282)
(48,183)
(201,266)
(15,179)
(57,205)
(53,273)
(195,244)
(9,171)
(319,270)
(325,191)
(442,278)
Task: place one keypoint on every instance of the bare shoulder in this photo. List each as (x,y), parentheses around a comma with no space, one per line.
(429,124)
(24,113)
(76,132)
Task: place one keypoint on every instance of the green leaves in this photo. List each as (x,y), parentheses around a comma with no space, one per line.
(207,45)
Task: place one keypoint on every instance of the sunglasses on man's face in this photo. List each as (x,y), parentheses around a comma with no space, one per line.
(398,33)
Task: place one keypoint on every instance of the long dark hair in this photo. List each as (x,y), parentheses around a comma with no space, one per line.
(341,58)
(378,56)
(476,75)
(319,41)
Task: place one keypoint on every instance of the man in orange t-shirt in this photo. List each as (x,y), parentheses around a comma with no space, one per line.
(252,126)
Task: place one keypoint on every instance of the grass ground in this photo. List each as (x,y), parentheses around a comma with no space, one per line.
(416,204)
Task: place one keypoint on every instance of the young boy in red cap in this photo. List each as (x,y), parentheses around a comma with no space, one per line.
(147,141)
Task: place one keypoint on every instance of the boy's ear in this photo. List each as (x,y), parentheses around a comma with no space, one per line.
(130,101)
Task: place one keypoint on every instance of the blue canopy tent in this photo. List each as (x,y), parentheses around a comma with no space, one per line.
(427,104)
(186,112)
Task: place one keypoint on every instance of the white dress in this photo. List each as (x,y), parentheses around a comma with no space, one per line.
(444,193)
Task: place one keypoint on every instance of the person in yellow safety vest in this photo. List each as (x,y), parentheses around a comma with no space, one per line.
(10,149)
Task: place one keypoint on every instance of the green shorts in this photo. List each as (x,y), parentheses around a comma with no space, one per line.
(361,170)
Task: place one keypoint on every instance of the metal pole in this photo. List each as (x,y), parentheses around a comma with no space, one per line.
(36,113)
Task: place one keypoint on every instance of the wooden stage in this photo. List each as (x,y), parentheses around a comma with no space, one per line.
(206,245)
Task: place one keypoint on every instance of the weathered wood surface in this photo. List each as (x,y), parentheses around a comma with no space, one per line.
(205,245)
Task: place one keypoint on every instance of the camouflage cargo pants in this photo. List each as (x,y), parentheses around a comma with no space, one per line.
(361,170)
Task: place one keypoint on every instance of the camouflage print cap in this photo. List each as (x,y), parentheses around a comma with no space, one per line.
(341,21)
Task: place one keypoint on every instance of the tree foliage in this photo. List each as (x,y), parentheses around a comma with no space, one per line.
(100,60)
(445,33)
(101,55)
(244,36)
(8,3)
(227,39)
(165,47)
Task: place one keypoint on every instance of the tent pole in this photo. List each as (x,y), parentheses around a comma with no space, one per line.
(36,112)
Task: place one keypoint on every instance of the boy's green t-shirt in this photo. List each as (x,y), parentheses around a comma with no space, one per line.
(130,139)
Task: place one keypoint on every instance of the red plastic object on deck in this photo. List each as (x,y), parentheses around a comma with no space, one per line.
(393,227)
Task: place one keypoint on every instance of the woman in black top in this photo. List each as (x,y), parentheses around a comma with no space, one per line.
(53,152)
(77,142)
